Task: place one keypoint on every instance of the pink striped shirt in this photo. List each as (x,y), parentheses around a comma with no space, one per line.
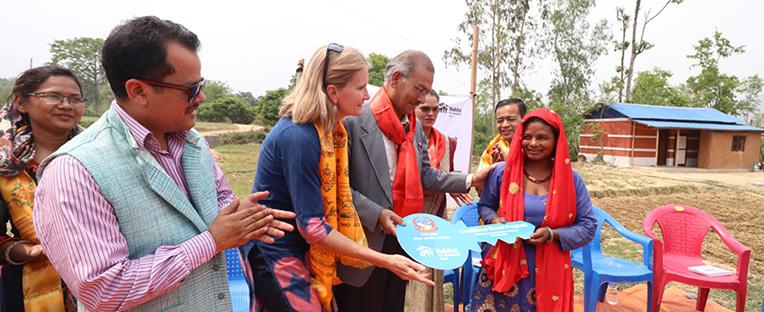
(80,233)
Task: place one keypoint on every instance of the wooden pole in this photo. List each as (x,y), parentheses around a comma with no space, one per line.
(658,146)
(633,136)
(676,149)
(473,81)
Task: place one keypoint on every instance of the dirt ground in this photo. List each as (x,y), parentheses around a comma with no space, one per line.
(733,197)
(232,128)
(745,178)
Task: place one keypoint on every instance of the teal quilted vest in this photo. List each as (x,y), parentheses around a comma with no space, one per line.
(151,209)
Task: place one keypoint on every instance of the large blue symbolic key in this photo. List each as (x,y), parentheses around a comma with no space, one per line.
(438,244)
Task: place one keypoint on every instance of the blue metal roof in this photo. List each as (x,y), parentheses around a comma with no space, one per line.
(697,126)
(673,113)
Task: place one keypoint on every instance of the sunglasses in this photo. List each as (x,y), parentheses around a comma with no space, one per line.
(427,110)
(332,47)
(191,91)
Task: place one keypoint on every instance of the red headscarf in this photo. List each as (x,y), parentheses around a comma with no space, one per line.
(506,263)
(408,195)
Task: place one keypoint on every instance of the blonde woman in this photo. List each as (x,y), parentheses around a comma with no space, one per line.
(304,165)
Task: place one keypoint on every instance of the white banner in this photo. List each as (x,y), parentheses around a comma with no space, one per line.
(455,120)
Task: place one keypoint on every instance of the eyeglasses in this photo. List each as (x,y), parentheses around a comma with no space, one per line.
(55,98)
(427,110)
(420,89)
(332,47)
(191,91)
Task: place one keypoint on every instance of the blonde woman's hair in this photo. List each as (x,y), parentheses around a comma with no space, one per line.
(308,102)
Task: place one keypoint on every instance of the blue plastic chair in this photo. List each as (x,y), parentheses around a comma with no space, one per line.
(237,283)
(465,278)
(452,276)
(599,270)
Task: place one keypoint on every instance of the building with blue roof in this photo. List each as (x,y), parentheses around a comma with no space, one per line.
(648,135)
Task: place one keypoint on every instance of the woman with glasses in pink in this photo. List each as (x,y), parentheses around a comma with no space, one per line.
(43,113)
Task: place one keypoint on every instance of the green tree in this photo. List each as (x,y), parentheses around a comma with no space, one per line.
(507,30)
(267,109)
(227,109)
(377,68)
(530,97)
(574,46)
(608,91)
(618,82)
(6,87)
(749,93)
(247,97)
(652,87)
(83,56)
(638,46)
(711,87)
(216,89)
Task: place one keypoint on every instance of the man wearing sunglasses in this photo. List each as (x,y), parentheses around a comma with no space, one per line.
(134,212)
(389,170)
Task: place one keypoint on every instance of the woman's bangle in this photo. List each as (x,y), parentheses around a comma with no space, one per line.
(551,234)
(8,252)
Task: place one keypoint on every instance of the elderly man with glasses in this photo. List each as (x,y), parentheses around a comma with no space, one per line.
(389,170)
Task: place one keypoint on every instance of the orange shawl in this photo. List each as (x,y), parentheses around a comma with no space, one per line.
(486,159)
(408,195)
(437,148)
(507,264)
(42,284)
(338,211)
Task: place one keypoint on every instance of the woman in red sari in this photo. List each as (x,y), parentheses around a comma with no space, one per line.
(537,185)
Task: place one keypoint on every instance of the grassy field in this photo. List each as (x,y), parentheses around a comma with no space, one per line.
(239,162)
(628,196)
(201,126)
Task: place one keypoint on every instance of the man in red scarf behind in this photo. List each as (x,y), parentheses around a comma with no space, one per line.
(389,170)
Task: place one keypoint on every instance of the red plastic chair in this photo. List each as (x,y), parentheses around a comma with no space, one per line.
(684,228)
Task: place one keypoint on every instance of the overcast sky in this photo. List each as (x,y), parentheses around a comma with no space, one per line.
(254,45)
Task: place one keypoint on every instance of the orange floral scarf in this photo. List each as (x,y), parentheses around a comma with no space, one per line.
(338,211)
(486,159)
(506,263)
(42,285)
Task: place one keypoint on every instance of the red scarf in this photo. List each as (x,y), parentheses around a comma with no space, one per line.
(437,148)
(506,263)
(408,196)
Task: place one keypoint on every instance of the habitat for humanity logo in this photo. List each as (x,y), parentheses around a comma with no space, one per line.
(425,251)
(452,111)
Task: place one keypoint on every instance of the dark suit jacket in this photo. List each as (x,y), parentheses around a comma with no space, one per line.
(372,188)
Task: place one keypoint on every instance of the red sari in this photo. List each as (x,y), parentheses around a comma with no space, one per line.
(506,263)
